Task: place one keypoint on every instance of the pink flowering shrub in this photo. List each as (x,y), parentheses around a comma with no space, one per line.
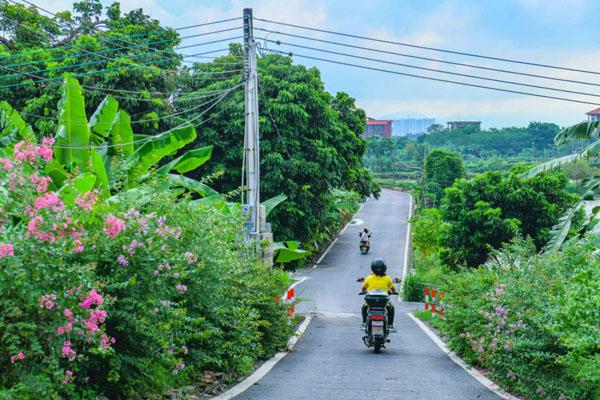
(528,319)
(127,298)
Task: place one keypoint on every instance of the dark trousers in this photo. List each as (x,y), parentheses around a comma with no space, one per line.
(390,312)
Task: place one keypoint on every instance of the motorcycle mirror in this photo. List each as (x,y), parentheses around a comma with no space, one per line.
(397,280)
(360,279)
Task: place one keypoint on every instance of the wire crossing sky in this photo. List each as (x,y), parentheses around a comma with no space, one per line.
(540,33)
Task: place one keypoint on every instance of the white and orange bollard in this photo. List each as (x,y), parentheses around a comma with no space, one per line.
(290,299)
(436,302)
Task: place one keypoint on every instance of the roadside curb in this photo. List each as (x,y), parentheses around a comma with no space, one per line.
(475,373)
(266,367)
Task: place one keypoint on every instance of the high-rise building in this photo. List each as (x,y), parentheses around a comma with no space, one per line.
(412,126)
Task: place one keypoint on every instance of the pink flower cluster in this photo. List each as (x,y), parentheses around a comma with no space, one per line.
(47,301)
(6,164)
(164,230)
(87,201)
(122,260)
(49,201)
(93,298)
(25,152)
(77,246)
(68,377)
(106,341)
(132,246)
(40,182)
(67,351)
(6,250)
(96,317)
(61,330)
(181,288)
(18,357)
(113,225)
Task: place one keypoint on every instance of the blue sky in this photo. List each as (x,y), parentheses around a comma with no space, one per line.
(557,32)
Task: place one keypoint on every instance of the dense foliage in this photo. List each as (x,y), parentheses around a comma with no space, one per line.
(131,52)
(489,210)
(126,298)
(531,320)
(309,142)
(441,169)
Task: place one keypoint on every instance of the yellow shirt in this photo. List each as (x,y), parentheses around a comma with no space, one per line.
(376,282)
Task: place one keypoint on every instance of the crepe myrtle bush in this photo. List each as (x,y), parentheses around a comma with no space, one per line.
(125,297)
(531,320)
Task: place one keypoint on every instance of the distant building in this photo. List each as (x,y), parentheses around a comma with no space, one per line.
(463,124)
(411,126)
(593,115)
(378,127)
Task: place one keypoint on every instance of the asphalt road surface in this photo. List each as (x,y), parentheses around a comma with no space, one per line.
(330,361)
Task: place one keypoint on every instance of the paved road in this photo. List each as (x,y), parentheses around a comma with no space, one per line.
(330,361)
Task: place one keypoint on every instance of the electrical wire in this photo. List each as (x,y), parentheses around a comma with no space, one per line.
(144,65)
(430,48)
(130,66)
(152,137)
(506,71)
(431,78)
(432,69)
(114,49)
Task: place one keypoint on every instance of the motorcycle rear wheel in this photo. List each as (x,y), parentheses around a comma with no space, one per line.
(377,347)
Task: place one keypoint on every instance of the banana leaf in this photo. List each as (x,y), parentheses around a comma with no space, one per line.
(191,185)
(102,119)
(12,125)
(590,150)
(100,171)
(80,185)
(287,251)
(73,135)
(152,151)
(56,171)
(583,130)
(191,160)
(273,202)
(121,134)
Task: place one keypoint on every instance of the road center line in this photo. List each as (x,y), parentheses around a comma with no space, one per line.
(454,357)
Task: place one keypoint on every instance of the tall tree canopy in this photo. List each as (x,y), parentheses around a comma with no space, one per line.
(132,52)
(310,140)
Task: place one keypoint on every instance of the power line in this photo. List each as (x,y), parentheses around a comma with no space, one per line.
(129,66)
(432,69)
(114,49)
(433,79)
(431,48)
(146,139)
(506,71)
(101,33)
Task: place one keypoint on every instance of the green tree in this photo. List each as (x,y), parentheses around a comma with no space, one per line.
(442,168)
(489,210)
(310,141)
(131,52)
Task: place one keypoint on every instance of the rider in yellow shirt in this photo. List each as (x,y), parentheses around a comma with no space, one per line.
(379,280)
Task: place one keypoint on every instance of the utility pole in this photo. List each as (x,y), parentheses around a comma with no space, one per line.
(251,194)
(258,229)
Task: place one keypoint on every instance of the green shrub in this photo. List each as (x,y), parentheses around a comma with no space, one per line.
(531,320)
(169,279)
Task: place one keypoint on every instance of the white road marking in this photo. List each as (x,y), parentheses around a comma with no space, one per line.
(266,367)
(407,248)
(326,251)
(454,357)
(293,285)
(350,223)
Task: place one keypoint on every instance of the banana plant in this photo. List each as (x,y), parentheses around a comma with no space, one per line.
(582,131)
(12,126)
(90,146)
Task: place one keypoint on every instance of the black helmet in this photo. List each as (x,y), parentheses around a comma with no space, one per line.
(378,267)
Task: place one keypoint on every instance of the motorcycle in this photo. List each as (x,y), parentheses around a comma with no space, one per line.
(364,246)
(377,329)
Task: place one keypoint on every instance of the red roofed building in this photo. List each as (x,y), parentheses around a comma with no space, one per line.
(378,127)
(593,115)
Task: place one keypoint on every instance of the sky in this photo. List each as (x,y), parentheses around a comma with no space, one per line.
(554,32)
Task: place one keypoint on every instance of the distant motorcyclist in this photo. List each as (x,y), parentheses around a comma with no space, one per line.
(365,236)
(379,280)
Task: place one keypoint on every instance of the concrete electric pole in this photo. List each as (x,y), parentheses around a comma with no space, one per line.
(257,225)
(251,197)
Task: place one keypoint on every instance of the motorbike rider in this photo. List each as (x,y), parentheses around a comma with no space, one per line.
(379,280)
(365,235)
